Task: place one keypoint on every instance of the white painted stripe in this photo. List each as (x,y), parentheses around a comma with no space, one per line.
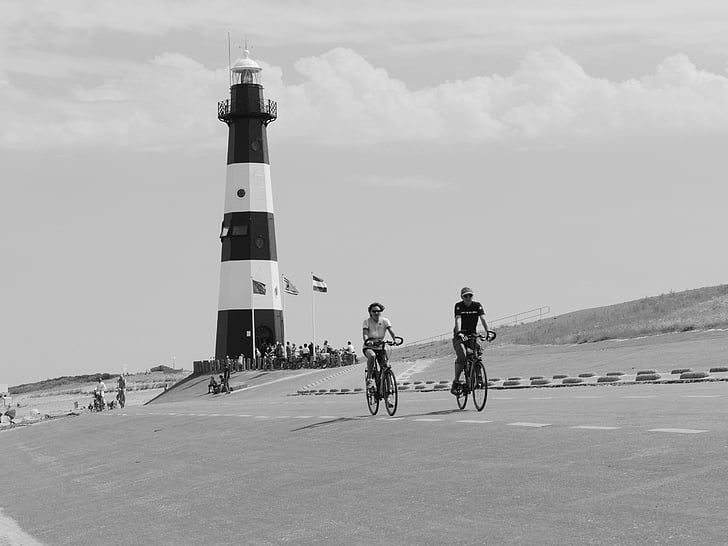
(701,396)
(646,396)
(427,420)
(590,427)
(254,178)
(503,398)
(677,430)
(287,378)
(261,417)
(12,533)
(541,398)
(472,421)
(389,418)
(236,287)
(589,397)
(303,417)
(534,425)
(328,417)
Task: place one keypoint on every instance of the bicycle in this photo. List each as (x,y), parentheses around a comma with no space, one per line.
(385,384)
(476,380)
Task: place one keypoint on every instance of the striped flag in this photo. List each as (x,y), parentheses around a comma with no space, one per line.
(319,285)
(258,288)
(289,287)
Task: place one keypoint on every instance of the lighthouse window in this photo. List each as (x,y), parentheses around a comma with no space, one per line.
(241,193)
(255,145)
(224,231)
(239,231)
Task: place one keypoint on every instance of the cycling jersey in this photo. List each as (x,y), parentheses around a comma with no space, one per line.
(469,315)
(376,329)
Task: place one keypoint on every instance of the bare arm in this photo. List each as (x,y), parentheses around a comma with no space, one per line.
(482,321)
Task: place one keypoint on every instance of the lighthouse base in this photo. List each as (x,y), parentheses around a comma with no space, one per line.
(234,331)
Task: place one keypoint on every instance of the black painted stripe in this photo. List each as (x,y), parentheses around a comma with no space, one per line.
(248,236)
(247,138)
(233,325)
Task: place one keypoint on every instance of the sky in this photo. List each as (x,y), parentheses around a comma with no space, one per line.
(562,154)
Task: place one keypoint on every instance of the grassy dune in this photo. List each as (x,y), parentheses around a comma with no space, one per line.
(85,384)
(699,309)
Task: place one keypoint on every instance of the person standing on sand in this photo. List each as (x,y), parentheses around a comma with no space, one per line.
(121,390)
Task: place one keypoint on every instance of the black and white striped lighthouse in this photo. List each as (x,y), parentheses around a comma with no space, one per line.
(248,231)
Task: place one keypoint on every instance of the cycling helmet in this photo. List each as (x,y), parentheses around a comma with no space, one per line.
(375,304)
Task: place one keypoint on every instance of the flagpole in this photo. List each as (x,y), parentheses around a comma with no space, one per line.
(252,317)
(313,312)
(283,302)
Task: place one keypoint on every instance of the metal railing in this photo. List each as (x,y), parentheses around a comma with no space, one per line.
(264,108)
(532,314)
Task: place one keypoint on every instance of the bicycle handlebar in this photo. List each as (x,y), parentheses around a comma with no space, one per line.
(373,343)
(489,336)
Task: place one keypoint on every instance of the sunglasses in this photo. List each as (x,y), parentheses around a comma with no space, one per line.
(468,296)
(376,310)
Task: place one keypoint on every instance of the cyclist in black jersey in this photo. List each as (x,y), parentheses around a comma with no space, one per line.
(467,314)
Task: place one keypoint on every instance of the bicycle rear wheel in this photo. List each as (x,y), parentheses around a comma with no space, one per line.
(372,398)
(479,384)
(391,395)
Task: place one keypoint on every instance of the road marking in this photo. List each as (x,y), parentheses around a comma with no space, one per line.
(236,391)
(588,397)
(645,396)
(503,398)
(472,421)
(244,415)
(590,427)
(677,430)
(427,420)
(303,416)
(327,417)
(701,395)
(389,418)
(414,369)
(541,398)
(534,425)
(261,417)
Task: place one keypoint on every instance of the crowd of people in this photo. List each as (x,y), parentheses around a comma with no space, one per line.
(306,355)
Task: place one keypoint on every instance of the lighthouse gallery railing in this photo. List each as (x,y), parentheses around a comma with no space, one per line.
(264,108)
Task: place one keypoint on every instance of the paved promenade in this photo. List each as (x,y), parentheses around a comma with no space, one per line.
(629,464)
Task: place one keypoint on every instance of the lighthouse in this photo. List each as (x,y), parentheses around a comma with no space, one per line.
(248,234)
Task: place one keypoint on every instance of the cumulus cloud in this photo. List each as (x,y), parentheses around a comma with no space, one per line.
(344,100)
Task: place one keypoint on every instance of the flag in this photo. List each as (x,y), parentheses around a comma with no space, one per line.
(258,287)
(289,287)
(319,285)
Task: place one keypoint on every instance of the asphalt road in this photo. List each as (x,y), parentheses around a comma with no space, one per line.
(632,464)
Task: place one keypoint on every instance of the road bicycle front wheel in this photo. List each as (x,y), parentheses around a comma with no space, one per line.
(462,396)
(391,395)
(479,385)
(372,399)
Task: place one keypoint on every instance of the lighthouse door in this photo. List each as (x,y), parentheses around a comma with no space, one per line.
(263,334)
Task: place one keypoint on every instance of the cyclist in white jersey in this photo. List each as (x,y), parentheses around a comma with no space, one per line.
(374,328)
